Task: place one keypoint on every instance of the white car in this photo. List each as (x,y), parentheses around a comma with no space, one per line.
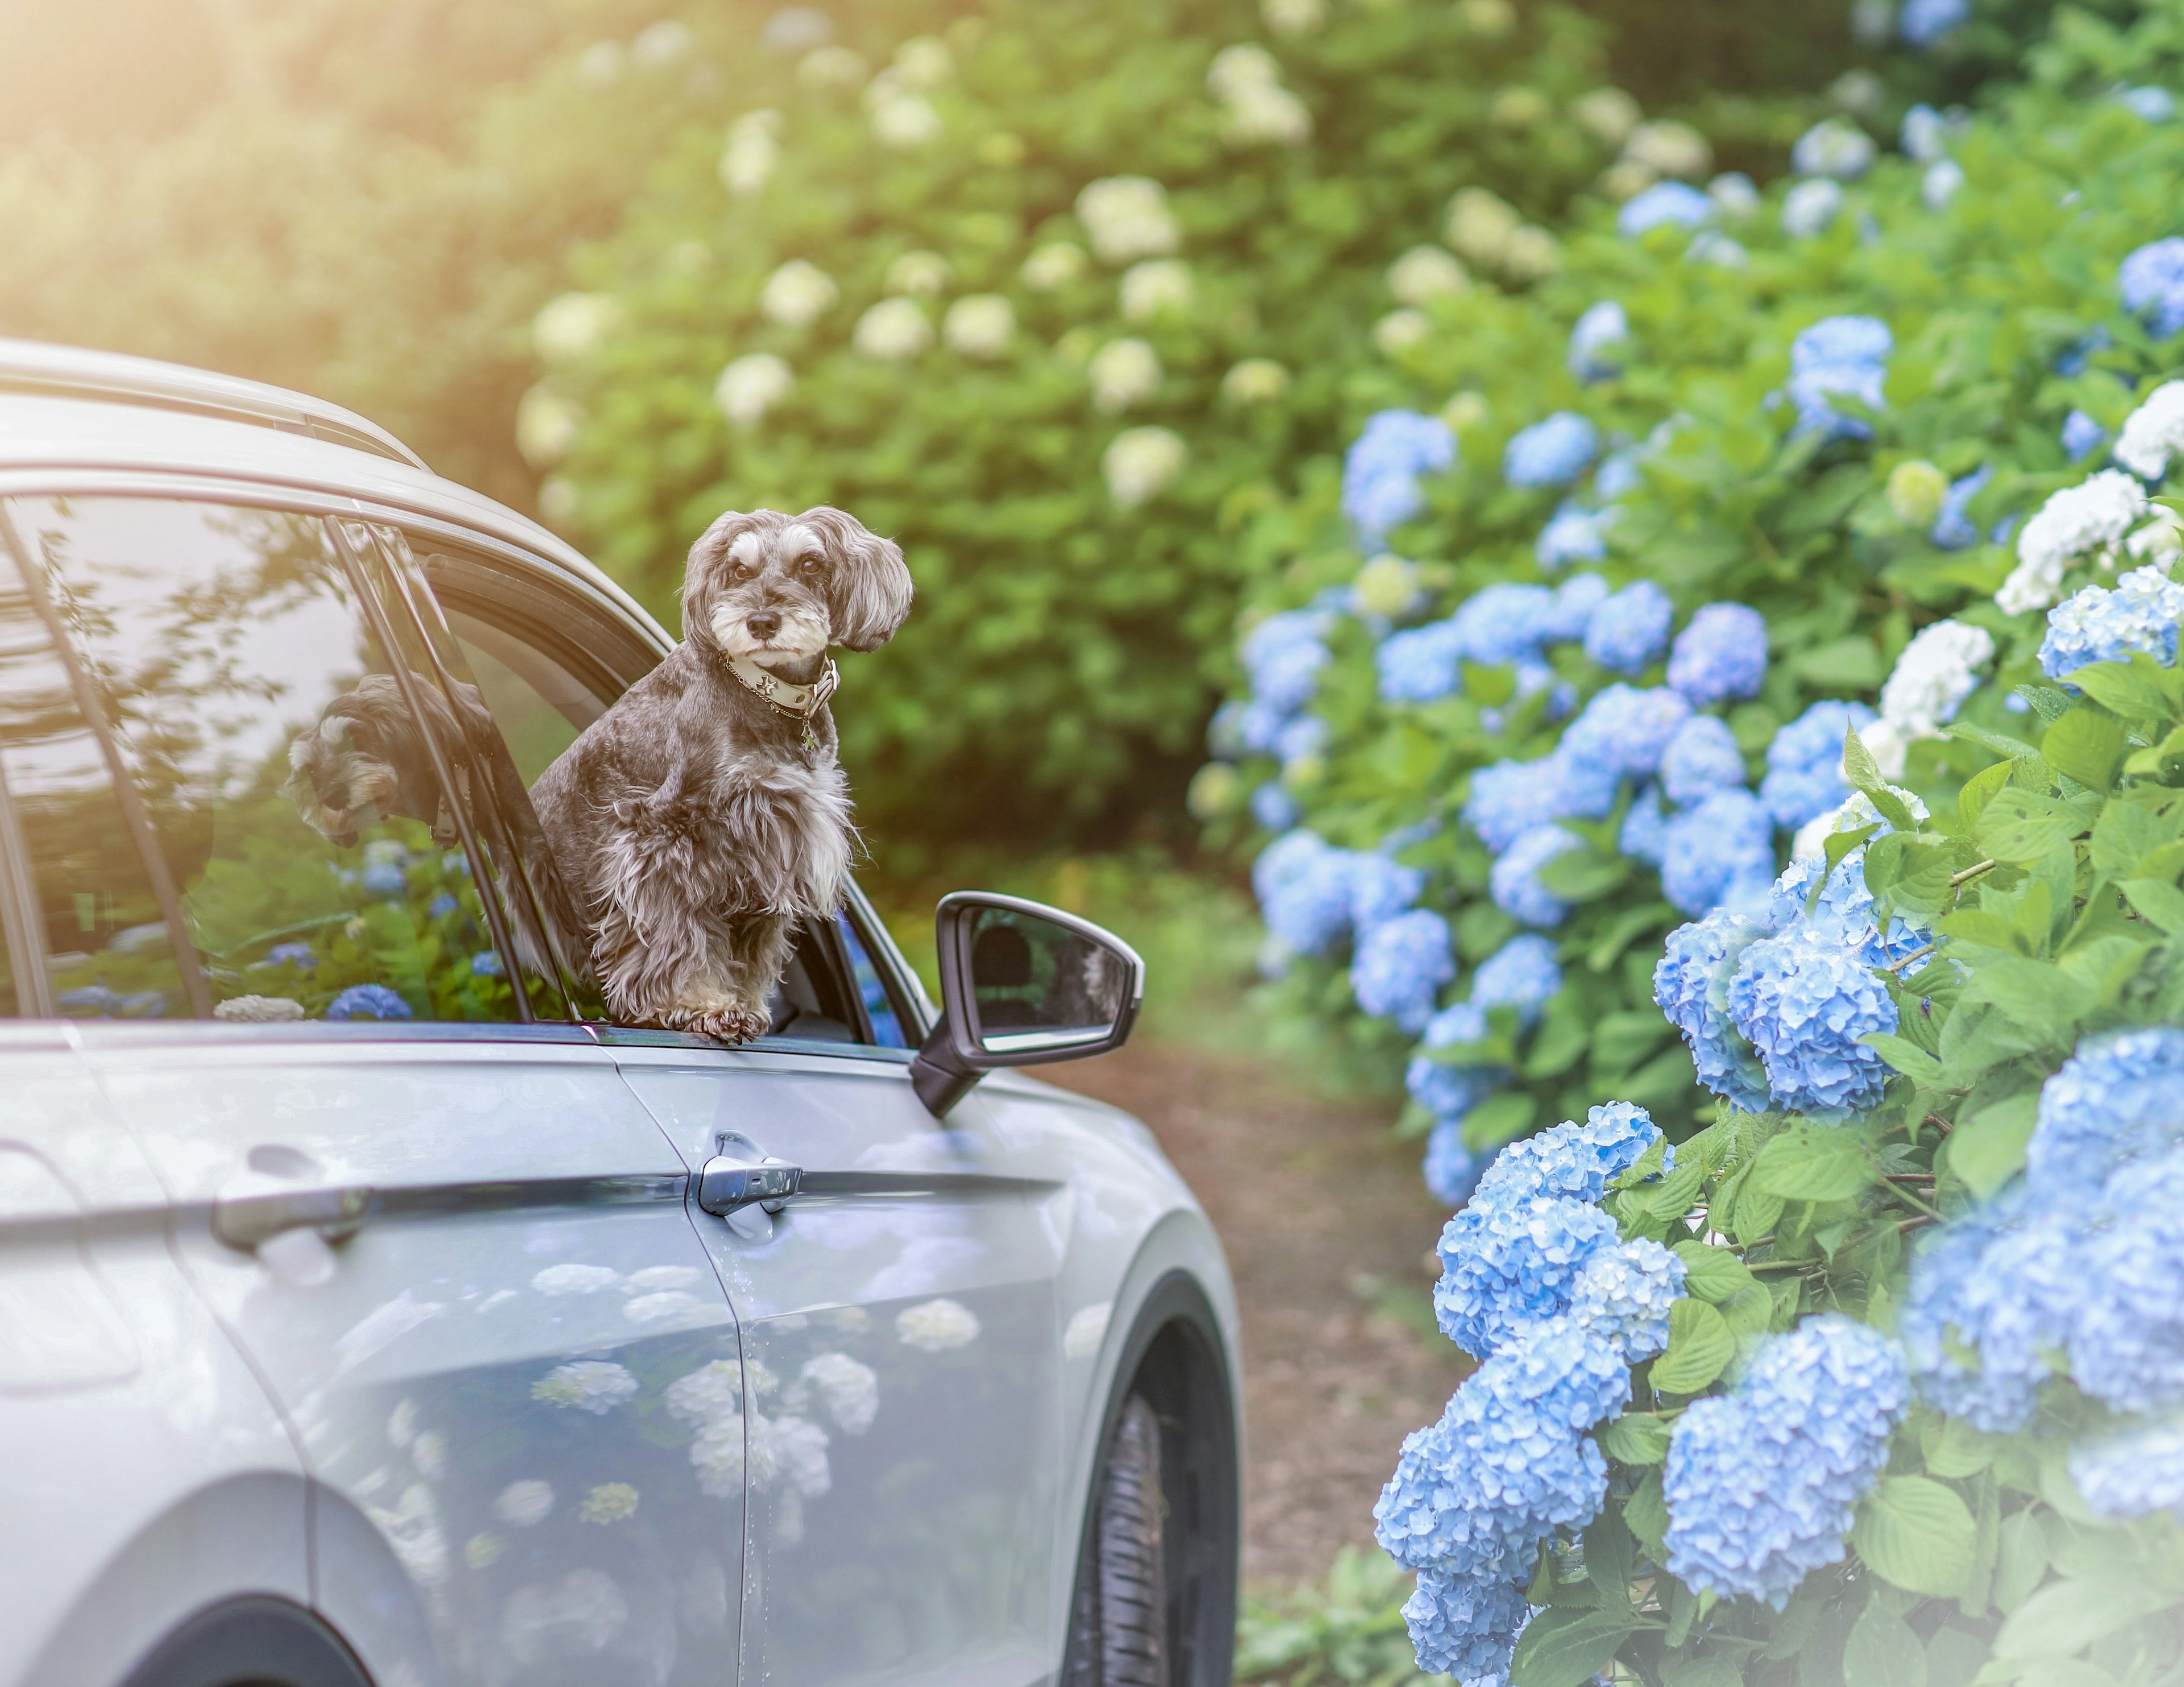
(373,1311)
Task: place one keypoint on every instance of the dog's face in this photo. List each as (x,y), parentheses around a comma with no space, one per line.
(779,589)
(341,780)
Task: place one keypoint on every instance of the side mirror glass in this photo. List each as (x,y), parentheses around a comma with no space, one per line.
(1021,984)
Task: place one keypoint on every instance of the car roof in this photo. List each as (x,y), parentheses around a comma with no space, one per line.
(110,417)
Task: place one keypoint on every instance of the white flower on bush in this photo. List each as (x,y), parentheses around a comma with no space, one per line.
(2153,432)
(1387,586)
(900,120)
(1157,287)
(1669,148)
(1938,669)
(574,326)
(1480,227)
(1809,208)
(1609,113)
(754,149)
(1140,463)
(1127,218)
(923,274)
(1426,273)
(707,1395)
(1833,147)
(893,329)
(2160,541)
(797,294)
(1255,381)
(924,62)
(1269,115)
(525,1504)
(936,1326)
(1399,330)
(1246,65)
(1940,184)
(593,1385)
(259,1011)
(1294,17)
(560,507)
(2091,517)
(848,1389)
(979,324)
(1123,372)
(547,426)
(1053,266)
(751,385)
(1733,195)
(661,44)
(833,67)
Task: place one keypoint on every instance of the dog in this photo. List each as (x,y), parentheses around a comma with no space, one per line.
(701,818)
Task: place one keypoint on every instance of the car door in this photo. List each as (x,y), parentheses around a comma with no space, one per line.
(897,1319)
(433,1215)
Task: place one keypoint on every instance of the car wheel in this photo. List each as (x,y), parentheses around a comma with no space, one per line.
(1122,1594)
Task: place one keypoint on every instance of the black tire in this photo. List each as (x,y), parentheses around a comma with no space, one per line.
(1129,1562)
(251,1642)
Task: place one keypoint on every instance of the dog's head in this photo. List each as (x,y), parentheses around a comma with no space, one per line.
(363,762)
(780,589)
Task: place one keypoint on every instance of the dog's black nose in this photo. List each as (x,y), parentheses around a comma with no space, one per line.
(765,624)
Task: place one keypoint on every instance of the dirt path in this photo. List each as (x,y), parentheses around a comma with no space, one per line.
(1328,1230)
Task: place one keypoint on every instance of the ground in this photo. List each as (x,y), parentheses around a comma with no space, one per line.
(1329,1231)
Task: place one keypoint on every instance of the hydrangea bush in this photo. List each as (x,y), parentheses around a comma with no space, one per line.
(1568,644)
(1879,1376)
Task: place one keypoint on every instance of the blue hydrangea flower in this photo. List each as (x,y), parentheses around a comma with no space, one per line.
(1923,22)
(385,879)
(1839,357)
(1551,453)
(1924,135)
(1419,664)
(485,964)
(441,906)
(1304,736)
(1833,147)
(1761,1483)
(2151,282)
(1619,472)
(2153,103)
(1720,655)
(1804,763)
(1515,880)
(1379,476)
(1523,974)
(1224,733)
(1803,1001)
(1629,631)
(1953,529)
(1577,600)
(1451,1170)
(296,955)
(2082,435)
(1505,623)
(1571,1163)
(1665,204)
(1575,534)
(1691,984)
(367,1001)
(1401,966)
(2083,350)
(2118,1099)
(2098,624)
(1509,799)
(1702,758)
(1645,833)
(1597,341)
(1623,1297)
(1625,730)
(1282,657)
(1722,845)
(1447,1091)
(1507,1264)
(1272,808)
(1381,889)
(1844,911)
(2127,1328)
(2130,1474)
(1464,1626)
(1303,886)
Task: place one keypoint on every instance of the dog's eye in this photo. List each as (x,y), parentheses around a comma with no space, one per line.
(810,562)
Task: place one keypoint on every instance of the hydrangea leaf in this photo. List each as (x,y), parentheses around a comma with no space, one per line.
(1987,1149)
(1849,664)
(1713,1275)
(1883,1650)
(1954,1448)
(1864,774)
(2123,688)
(1565,1647)
(1498,1119)
(2019,826)
(1636,1437)
(1700,1343)
(1918,1534)
(2159,903)
(1978,792)
(1905,1056)
(2066,1617)
(2086,746)
(1672,1197)
(1758,1212)
(1813,1164)
(1611,1559)
(2020,1560)
(1715,1670)
(1748,1311)
(2125,834)
(2039,995)
(2048,703)
(2002,743)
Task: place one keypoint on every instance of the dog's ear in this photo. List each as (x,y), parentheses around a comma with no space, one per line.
(868,587)
(701,572)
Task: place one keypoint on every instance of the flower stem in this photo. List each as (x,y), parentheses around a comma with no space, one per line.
(1970,872)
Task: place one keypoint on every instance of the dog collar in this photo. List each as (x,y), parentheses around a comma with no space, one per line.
(798,702)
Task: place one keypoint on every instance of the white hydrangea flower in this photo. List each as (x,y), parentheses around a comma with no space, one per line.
(524,1504)
(1157,287)
(716,1453)
(1247,65)
(751,385)
(1127,218)
(924,62)
(574,326)
(1734,195)
(788,1452)
(1266,115)
(1053,266)
(412,1528)
(895,329)
(1140,463)
(661,44)
(259,1011)
(1480,227)
(547,426)
(1669,148)
(1426,273)
(1712,245)
(1833,147)
(1123,372)
(847,1388)
(1255,381)
(1941,184)
(904,120)
(979,324)
(797,294)
(1399,330)
(1609,113)
(833,67)
(1809,208)
(1532,254)
(2153,432)
(575,1279)
(1938,669)
(707,1395)
(609,1502)
(1294,17)
(2091,517)
(594,1385)
(754,149)
(939,1325)
(923,275)
(1811,842)
(2161,542)
(1388,585)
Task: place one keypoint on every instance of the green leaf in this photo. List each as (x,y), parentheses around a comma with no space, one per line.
(1611,1559)
(1813,1164)
(1715,1670)
(2037,994)
(1918,1534)
(1758,1212)
(1905,1056)
(2066,1617)
(1583,875)
(1849,664)
(1987,1149)
(2122,688)
(2049,703)
(1712,1274)
(1636,1437)
(1863,773)
(2000,742)
(1563,1648)
(1748,1312)
(2159,904)
(1882,1651)
(1498,1119)
(1952,1448)
(2021,1561)
(1645,1514)
(1672,1197)
(2086,746)
(2124,835)
(2021,826)
(1700,1343)
(1978,791)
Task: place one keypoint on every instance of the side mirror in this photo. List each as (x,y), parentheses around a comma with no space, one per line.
(1021,984)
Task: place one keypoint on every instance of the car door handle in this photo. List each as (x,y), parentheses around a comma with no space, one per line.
(727,1183)
(247,1222)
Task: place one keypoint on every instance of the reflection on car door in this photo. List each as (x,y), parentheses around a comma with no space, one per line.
(453,1242)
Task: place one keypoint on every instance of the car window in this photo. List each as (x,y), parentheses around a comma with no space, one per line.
(887,1020)
(273,749)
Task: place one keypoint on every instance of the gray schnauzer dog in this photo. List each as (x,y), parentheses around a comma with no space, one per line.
(704,816)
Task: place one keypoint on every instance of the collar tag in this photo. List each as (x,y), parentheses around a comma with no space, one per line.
(798,702)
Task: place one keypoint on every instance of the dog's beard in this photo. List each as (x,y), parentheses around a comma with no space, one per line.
(799,642)
(336,788)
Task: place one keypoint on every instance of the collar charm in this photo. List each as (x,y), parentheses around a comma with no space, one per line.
(798,702)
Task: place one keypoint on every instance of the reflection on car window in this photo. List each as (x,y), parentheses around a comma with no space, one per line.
(292,800)
(879,1008)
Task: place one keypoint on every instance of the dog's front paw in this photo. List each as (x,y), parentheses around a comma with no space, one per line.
(724,1022)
